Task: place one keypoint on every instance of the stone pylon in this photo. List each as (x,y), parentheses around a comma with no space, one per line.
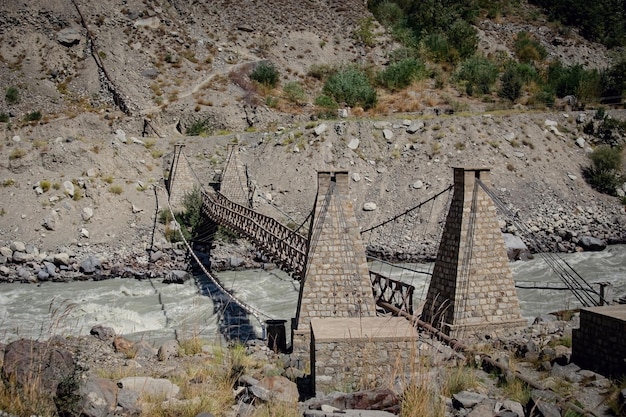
(180,181)
(234,184)
(336,281)
(472,288)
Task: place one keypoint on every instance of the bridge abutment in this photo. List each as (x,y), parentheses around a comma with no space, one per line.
(472,288)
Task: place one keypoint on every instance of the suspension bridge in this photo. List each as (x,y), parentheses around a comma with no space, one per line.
(471,287)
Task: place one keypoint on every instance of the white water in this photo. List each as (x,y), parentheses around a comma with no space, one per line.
(153,311)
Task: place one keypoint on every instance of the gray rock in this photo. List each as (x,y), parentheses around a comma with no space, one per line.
(121,136)
(568,372)
(581,142)
(155,256)
(353,144)
(319,129)
(98,398)
(381,124)
(50,221)
(42,275)
(21,257)
(143,350)
(369,206)
(151,22)
(61,259)
(356,177)
(151,73)
(50,268)
(516,249)
(6,252)
(90,265)
(18,246)
(592,244)
(388,135)
(418,184)
(149,386)
(87,213)
(176,277)
(348,413)
(414,127)
(467,399)
(69,37)
(340,128)
(84,233)
(68,188)
(513,406)
(103,333)
(168,350)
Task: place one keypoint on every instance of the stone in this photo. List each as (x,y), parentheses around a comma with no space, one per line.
(418,184)
(516,249)
(121,136)
(388,135)
(143,350)
(86,213)
(17,246)
(568,372)
(592,244)
(381,124)
(319,129)
(97,398)
(90,265)
(6,252)
(356,177)
(24,359)
(61,259)
(340,128)
(103,333)
(155,256)
(581,142)
(151,22)
(84,233)
(176,277)
(150,386)
(21,257)
(369,206)
(68,188)
(353,144)
(168,350)
(414,127)
(121,344)
(467,399)
(69,37)
(50,221)
(280,388)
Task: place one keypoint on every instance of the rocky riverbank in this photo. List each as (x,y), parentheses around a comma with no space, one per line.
(104,374)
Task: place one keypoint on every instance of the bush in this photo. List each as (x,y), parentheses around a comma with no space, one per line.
(328,104)
(574,80)
(199,128)
(265,73)
(528,49)
(479,74)
(364,33)
(4,118)
(12,95)
(294,92)
(401,74)
(351,86)
(463,37)
(605,174)
(439,49)
(33,116)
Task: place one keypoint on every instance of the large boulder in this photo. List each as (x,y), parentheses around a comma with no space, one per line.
(516,249)
(592,244)
(150,386)
(31,362)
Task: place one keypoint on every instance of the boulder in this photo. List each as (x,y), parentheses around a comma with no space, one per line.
(369,206)
(388,135)
(592,244)
(153,387)
(68,188)
(30,362)
(176,277)
(414,127)
(101,332)
(69,37)
(319,129)
(168,350)
(354,144)
(467,399)
(61,259)
(90,265)
(280,389)
(516,249)
(87,213)
(17,246)
(97,397)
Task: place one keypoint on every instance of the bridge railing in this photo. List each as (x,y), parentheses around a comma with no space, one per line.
(287,248)
(390,291)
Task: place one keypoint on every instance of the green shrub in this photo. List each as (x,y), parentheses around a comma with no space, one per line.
(265,73)
(294,92)
(4,118)
(605,172)
(515,76)
(479,74)
(12,95)
(364,32)
(439,49)
(528,49)
(611,131)
(574,80)
(199,128)
(401,74)
(351,86)
(321,71)
(328,105)
(463,37)
(33,116)
(165,216)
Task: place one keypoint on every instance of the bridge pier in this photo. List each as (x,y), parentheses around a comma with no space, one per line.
(336,282)
(180,180)
(472,288)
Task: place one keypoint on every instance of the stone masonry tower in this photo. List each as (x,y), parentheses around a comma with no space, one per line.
(180,180)
(234,184)
(472,288)
(336,281)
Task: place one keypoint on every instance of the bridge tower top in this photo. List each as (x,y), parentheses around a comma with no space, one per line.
(234,183)
(472,288)
(336,281)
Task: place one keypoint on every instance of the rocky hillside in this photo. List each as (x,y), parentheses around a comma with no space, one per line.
(115,86)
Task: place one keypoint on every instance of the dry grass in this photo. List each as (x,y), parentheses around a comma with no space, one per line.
(27,399)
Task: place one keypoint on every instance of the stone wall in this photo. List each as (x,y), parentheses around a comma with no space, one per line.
(472,288)
(352,354)
(598,344)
